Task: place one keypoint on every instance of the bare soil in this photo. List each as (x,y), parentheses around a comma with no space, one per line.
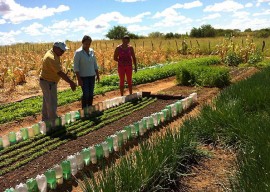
(207,166)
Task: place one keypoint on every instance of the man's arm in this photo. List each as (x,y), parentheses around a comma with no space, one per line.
(115,55)
(67,79)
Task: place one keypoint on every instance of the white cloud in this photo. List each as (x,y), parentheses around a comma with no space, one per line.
(225,6)
(265,12)
(261,1)
(187,5)
(17,13)
(241,14)
(245,23)
(129,1)
(7,38)
(249,5)
(33,29)
(170,17)
(2,21)
(212,16)
(137,28)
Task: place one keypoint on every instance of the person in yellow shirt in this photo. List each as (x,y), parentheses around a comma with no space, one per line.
(51,72)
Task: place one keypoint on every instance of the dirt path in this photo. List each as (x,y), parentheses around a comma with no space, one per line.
(30,120)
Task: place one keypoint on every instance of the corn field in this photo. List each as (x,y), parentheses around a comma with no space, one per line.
(22,60)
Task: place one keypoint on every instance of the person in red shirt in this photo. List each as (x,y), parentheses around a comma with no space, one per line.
(124,55)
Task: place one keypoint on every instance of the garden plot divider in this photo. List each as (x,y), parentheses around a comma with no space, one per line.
(93,154)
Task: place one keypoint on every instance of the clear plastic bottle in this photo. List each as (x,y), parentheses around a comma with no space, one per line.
(42,126)
(58,122)
(24,132)
(128,129)
(125,136)
(81,111)
(5,141)
(79,161)
(120,138)
(58,173)
(141,128)
(105,147)
(72,118)
(115,142)
(133,131)
(42,183)
(68,118)
(30,132)
(73,164)
(36,129)
(77,115)
(93,154)
(22,187)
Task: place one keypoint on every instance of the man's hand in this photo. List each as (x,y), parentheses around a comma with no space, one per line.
(80,83)
(98,79)
(135,69)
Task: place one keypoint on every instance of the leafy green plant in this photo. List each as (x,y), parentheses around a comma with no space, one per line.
(232,59)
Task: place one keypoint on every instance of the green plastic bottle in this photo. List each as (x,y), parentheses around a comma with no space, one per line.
(10,190)
(137,128)
(68,118)
(77,115)
(12,138)
(99,151)
(51,178)
(169,107)
(58,122)
(110,143)
(120,138)
(32,185)
(151,122)
(66,169)
(24,132)
(86,156)
(36,129)
(179,107)
(128,129)
(1,143)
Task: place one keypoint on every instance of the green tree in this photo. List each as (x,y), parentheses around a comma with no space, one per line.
(155,34)
(117,32)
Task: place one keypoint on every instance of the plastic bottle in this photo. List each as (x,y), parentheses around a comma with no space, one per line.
(42,126)
(86,156)
(179,107)
(162,118)
(115,142)
(120,138)
(58,122)
(1,143)
(110,143)
(144,122)
(48,126)
(51,178)
(72,116)
(81,111)
(68,118)
(194,97)
(42,183)
(99,151)
(79,161)
(105,147)
(169,107)
(5,141)
(165,114)
(100,106)
(32,185)
(24,132)
(10,190)
(133,131)
(22,187)
(12,138)
(93,154)
(125,137)
(141,128)
(91,109)
(128,129)
(185,104)
(73,164)
(36,129)
(30,132)
(137,128)
(66,167)
(58,174)
(155,119)
(77,115)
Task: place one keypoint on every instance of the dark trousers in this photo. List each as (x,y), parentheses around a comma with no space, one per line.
(88,90)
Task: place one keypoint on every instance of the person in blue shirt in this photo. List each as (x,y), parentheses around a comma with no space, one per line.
(86,69)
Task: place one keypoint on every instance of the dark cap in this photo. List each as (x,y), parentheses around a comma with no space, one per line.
(86,37)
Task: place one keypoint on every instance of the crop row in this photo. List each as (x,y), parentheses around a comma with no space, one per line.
(11,156)
(31,106)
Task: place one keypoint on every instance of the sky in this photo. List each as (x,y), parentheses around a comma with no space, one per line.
(59,20)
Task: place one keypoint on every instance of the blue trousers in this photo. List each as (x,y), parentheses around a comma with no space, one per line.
(88,86)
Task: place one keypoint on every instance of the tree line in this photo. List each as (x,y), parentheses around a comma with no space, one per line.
(117,32)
